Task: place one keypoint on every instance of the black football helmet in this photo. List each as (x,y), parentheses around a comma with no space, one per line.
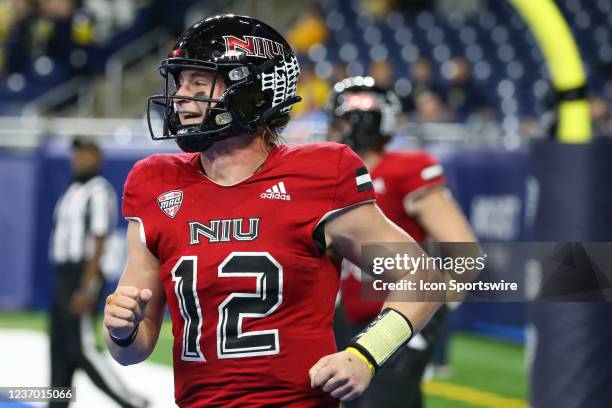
(370,112)
(259,69)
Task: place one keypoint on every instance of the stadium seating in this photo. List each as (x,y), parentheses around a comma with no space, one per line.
(493,41)
(489,40)
(69,50)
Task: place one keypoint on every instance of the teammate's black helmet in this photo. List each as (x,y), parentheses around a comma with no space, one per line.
(257,65)
(370,111)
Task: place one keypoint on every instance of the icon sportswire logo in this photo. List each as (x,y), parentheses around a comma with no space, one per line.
(276,192)
(170,202)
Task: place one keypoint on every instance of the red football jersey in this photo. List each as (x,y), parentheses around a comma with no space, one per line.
(397,177)
(250,294)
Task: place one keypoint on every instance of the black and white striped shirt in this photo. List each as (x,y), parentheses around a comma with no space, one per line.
(85,211)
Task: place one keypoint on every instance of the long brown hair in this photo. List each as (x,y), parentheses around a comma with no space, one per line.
(272,138)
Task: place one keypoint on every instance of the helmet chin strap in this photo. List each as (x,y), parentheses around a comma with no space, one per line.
(196,141)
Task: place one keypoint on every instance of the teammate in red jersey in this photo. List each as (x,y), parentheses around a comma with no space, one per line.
(232,236)
(410,190)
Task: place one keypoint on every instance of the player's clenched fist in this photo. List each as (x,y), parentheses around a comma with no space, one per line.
(342,375)
(125,309)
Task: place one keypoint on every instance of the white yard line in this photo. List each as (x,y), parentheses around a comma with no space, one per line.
(24,362)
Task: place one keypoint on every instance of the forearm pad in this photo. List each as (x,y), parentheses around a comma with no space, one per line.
(383,337)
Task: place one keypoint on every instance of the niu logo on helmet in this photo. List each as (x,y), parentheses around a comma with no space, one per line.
(254,46)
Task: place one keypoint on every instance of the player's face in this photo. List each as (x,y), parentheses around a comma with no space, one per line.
(85,161)
(196,84)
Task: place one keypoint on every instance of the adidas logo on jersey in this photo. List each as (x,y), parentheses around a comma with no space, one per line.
(276,192)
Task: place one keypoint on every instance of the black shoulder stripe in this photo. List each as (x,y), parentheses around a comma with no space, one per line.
(363,180)
(365,187)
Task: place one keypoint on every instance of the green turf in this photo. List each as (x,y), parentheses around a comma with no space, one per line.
(38,321)
(489,365)
(23,320)
(485,365)
(479,363)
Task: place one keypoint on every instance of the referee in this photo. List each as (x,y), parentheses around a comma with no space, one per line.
(84,218)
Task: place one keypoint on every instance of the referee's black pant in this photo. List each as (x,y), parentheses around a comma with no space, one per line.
(73,342)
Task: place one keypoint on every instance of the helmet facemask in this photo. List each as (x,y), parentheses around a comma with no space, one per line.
(363,116)
(361,130)
(217,121)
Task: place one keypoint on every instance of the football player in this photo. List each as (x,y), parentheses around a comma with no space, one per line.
(410,191)
(232,235)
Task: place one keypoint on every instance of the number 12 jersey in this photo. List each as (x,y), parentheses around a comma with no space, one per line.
(250,292)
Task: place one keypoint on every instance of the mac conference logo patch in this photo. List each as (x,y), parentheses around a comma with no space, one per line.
(170,202)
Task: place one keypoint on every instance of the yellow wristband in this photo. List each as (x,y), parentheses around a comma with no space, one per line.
(356,352)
